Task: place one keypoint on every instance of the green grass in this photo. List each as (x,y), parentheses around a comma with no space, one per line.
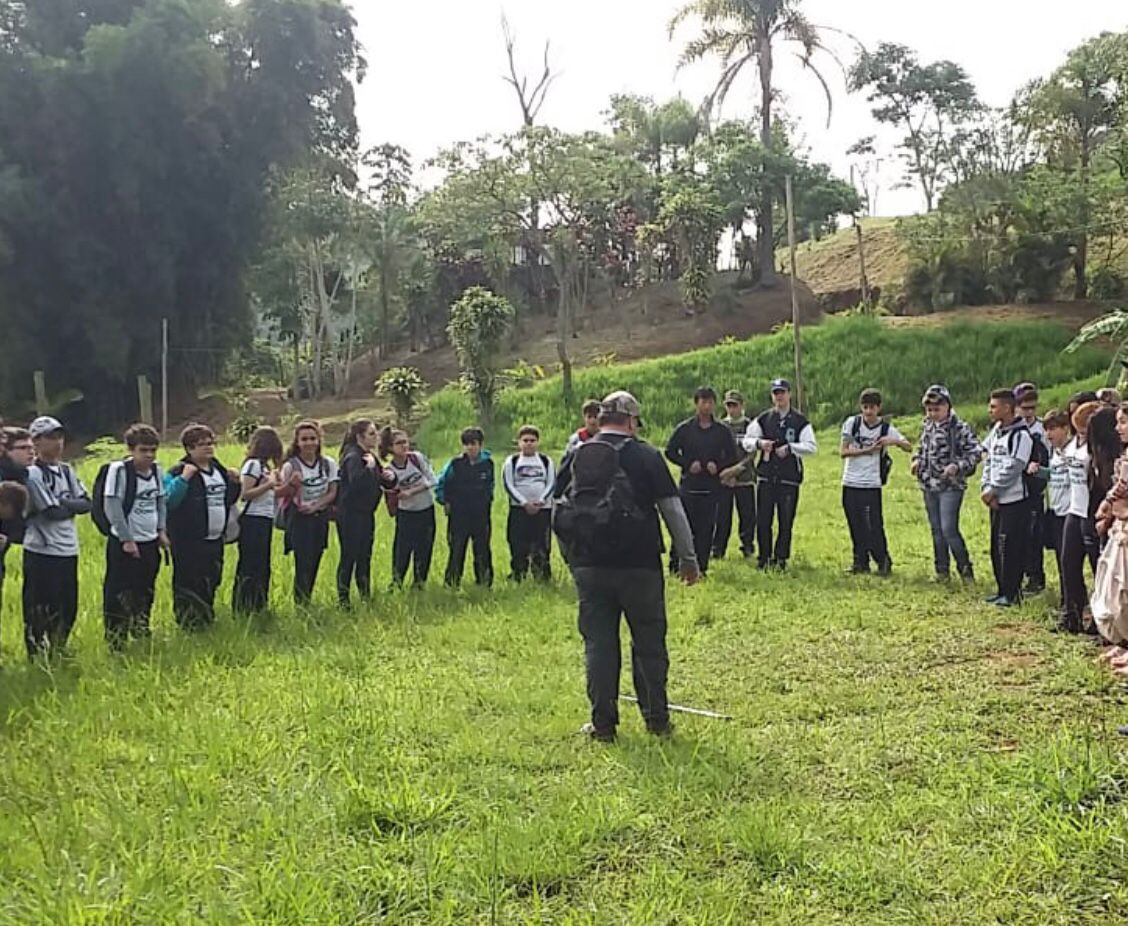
(840,357)
(899,754)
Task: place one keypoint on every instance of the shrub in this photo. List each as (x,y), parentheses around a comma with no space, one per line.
(403,387)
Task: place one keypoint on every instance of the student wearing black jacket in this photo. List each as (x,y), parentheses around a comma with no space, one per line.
(465,488)
(363,480)
(782,437)
(16,454)
(200,495)
(701,447)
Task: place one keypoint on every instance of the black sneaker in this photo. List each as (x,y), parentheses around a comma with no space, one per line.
(600,736)
(857,570)
(1004,602)
(1034,588)
(1123,731)
(992,599)
(885,570)
(662,732)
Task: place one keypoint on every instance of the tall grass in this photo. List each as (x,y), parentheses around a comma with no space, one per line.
(840,357)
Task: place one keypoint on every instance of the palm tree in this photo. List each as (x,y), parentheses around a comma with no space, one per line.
(742,33)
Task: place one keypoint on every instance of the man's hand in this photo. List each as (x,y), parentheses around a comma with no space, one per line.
(131,549)
(782,450)
(189,472)
(531,507)
(914,469)
(711,468)
(369,461)
(766,445)
(951,471)
(989,499)
(695,467)
(1033,468)
(164,541)
(688,571)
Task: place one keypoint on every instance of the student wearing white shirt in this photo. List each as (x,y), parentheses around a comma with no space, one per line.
(200,495)
(529,478)
(55,499)
(259,479)
(1056,425)
(135,507)
(782,437)
(412,504)
(309,481)
(866,440)
(1075,548)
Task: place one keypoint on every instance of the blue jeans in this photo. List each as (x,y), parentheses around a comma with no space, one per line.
(943,509)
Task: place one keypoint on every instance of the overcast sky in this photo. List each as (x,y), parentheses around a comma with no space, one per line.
(435,66)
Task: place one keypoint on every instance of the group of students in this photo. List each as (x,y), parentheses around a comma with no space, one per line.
(188,516)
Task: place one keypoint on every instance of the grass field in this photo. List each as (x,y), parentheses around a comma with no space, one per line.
(899,754)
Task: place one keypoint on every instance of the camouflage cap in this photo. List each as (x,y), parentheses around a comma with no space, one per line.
(621,403)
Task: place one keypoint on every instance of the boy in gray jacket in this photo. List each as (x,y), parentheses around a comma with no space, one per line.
(1009,448)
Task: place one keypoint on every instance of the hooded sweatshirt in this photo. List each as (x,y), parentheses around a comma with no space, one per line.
(467,487)
(1008,452)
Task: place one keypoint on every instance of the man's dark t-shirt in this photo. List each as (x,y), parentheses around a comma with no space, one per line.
(650,480)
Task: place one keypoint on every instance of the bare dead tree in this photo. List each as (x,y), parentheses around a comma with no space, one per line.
(530,101)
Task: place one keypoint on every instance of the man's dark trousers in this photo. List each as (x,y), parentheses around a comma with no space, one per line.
(461,532)
(50,601)
(197,570)
(743,498)
(127,593)
(1035,568)
(701,511)
(1010,528)
(778,502)
(530,539)
(606,595)
(866,521)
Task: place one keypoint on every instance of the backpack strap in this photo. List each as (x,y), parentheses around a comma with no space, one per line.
(130,493)
(856,429)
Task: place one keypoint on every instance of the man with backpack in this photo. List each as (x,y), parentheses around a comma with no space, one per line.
(948,453)
(782,437)
(55,499)
(529,478)
(130,511)
(702,447)
(609,494)
(1026,395)
(1008,452)
(866,440)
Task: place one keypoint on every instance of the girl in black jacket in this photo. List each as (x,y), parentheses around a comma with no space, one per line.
(363,480)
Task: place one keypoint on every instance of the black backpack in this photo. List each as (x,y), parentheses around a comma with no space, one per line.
(886,461)
(98,511)
(1038,454)
(598,515)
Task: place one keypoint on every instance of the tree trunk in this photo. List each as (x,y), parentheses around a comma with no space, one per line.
(1081,252)
(316,284)
(764,223)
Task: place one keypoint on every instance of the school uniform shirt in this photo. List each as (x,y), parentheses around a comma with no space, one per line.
(1059,484)
(316,479)
(1077,461)
(416,470)
(146,519)
(529,479)
(48,486)
(864,472)
(215,490)
(1008,451)
(263,506)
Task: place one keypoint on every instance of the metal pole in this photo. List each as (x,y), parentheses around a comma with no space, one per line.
(799,397)
(679,709)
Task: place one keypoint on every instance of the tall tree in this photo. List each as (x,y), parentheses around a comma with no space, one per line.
(927,102)
(746,34)
(143,133)
(1076,111)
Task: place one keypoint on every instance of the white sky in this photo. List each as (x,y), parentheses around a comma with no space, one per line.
(435,66)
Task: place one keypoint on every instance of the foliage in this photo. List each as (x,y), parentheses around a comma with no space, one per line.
(929,103)
(744,35)
(403,387)
(137,136)
(479,324)
(839,356)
